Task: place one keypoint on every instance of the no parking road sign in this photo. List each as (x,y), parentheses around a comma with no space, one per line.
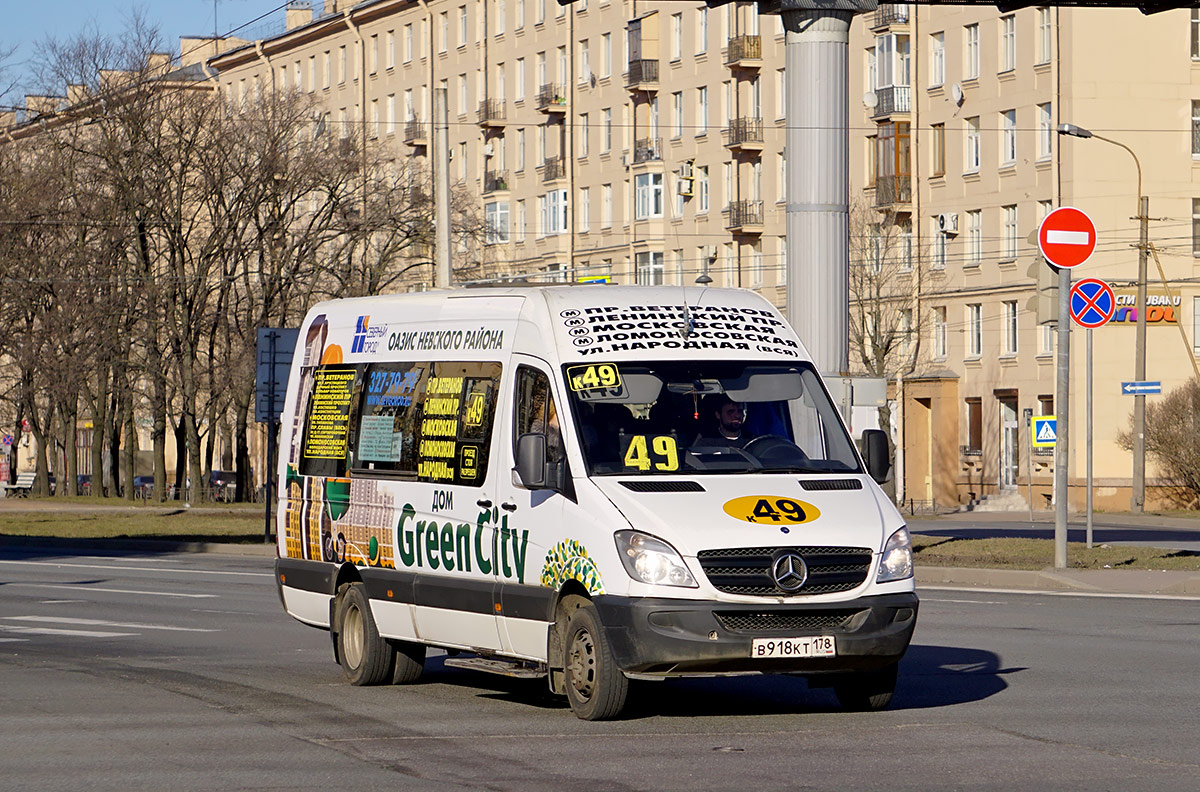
(1067,237)
(1092,303)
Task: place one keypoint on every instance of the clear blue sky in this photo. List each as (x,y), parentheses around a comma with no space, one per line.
(28,22)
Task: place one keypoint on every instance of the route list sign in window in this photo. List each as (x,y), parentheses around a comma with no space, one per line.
(329,415)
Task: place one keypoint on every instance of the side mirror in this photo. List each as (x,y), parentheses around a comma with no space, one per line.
(531,460)
(875,454)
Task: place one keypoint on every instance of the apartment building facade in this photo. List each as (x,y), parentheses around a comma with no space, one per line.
(958,117)
(632,141)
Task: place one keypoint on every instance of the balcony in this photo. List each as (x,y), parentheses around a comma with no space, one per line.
(893,190)
(416,133)
(552,98)
(647,150)
(745,134)
(744,52)
(891,100)
(890,14)
(745,217)
(495,181)
(554,168)
(642,75)
(491,113)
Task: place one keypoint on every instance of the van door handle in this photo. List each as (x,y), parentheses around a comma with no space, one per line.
(483,503)
(508,506)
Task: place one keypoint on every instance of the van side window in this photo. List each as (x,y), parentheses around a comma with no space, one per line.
(431,421)
(327,420)
(536,413)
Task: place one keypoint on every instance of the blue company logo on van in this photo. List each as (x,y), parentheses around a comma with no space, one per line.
(367,336)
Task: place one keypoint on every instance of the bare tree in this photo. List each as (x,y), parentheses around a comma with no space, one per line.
(1172,425)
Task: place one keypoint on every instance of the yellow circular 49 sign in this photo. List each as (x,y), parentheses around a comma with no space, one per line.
(771,510)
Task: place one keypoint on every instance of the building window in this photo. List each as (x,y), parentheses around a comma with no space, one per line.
(1196,226)
(443,31)
(937,60)
(585,62)
(701,30)
(585,209)
(1008,43)
(606,206)
(649,269)
(584,134)
(407,43)
(520,232)
(390,50)
(1046,341)
(906,328)
(676,36)
(940,333)
(1046,131)
(971,161)
(605,55)
(727,168)
(974,238)
(496,218)
(1043,33)
(606,130)
(519,90)
(872,63)
(391,114)
(553,206)
(702,110)
(1010,233)
(937,147)
(701,189)
(1195,129)
(648,196)
(462,94)
(677,114)
(971,52)
(1010,327)
(520,149)
(939,245)
(498,21)
(1008,137)
(462,26)
(756,265)
(974,426)
(1196,34)
(974,330)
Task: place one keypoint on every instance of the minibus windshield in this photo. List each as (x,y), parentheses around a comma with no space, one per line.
(706,417)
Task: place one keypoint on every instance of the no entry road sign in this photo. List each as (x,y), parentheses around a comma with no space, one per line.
(1067,237)
(1092,303)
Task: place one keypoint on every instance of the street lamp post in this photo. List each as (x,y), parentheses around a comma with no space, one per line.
(1137,501)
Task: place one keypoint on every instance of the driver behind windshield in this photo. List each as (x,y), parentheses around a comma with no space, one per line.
(726,424)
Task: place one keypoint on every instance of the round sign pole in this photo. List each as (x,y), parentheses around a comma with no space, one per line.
(1089,438)
(1092,305)
(1066,238)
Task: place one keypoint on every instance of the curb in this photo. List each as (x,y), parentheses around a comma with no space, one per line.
(263,550)
(1116,582)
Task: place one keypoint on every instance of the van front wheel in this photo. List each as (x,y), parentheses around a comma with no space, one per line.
(596,688)
(366,657)
(867,691)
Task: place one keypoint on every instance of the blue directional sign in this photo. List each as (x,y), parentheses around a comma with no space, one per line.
(1092,303)
(1140,388)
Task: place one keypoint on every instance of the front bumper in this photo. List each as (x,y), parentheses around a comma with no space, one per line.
(672,637)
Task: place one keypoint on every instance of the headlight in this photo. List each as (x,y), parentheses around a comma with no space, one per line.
(652,560)
(896,563)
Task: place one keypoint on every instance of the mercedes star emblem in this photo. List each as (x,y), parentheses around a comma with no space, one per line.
(789,572)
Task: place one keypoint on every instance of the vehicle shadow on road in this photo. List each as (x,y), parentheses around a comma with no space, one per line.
(930,676)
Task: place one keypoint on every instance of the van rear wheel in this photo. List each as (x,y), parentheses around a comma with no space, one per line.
(366,657)
(596,688)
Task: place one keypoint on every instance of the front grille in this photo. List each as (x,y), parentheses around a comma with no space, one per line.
(747,570)
(784,621)
(662,486)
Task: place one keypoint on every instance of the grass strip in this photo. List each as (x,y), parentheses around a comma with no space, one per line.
(179,525)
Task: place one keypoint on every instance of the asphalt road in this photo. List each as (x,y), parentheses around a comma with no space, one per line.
(182,672)
(1173,533)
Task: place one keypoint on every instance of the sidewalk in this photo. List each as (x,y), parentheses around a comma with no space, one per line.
(1144,582)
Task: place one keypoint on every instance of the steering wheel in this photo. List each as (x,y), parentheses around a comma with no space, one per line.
(775,451)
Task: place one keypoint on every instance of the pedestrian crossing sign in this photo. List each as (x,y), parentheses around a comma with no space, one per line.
(1045,431)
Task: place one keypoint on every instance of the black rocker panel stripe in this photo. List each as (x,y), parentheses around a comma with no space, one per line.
(517,601)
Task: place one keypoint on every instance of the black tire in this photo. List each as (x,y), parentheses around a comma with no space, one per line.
(867,691)
(366,658)
(596,688)
(410,662)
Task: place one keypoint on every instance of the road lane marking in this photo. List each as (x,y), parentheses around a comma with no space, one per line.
(103,623)
(14,640)
(12,628)
(963,602)
(138,569)
(61,602)
(79,587)
(1091,594)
